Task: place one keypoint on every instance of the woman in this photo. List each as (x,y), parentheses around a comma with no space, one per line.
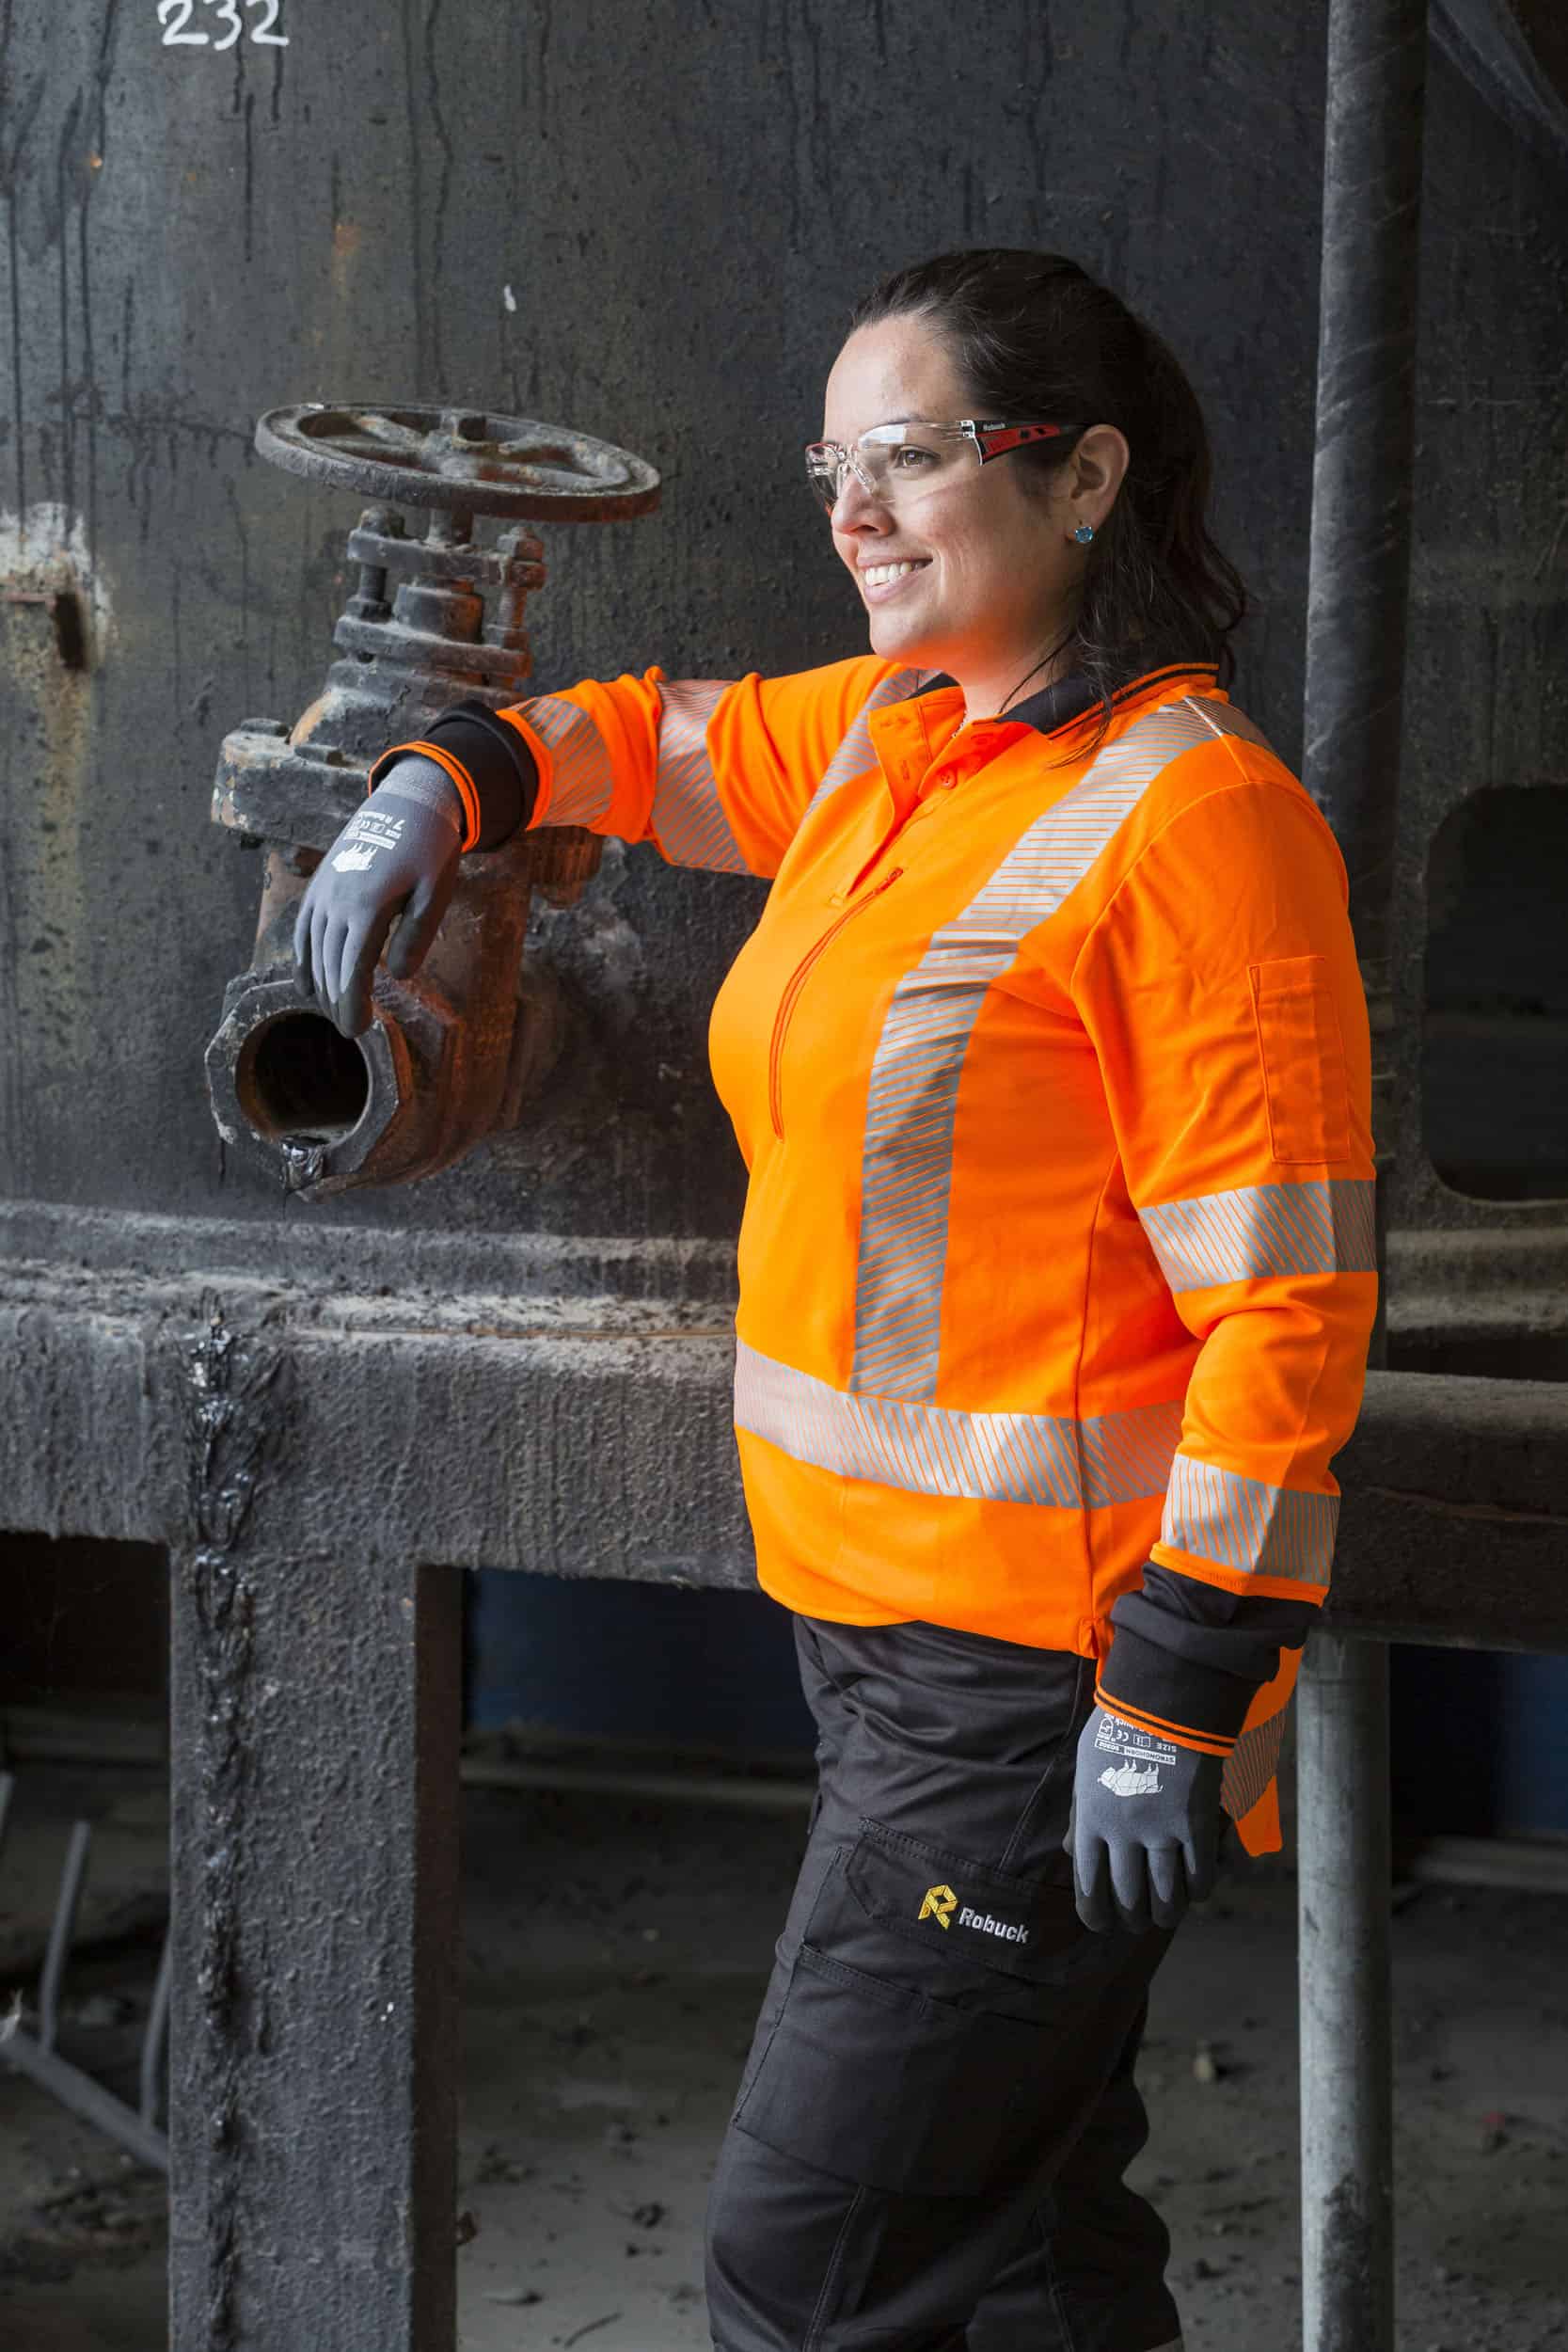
(1049,1060)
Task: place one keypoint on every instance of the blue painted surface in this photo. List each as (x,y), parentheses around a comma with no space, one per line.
(593,1660)
(1533,1729)
(1480,1744)
(1480,1739)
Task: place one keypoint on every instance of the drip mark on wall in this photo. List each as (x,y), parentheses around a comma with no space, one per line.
(230,1424)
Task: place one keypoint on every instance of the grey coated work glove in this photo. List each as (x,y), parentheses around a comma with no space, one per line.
(1144,1830)
(394,862)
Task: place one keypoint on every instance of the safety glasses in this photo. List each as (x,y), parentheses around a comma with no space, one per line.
(898,462)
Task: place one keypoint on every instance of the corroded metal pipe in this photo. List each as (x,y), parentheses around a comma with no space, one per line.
(1357,596)
(1347,2108)
(1363,471)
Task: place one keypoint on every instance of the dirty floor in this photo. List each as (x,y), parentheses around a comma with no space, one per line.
(614,1950)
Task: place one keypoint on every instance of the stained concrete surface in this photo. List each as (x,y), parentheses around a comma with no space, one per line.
(614,1948)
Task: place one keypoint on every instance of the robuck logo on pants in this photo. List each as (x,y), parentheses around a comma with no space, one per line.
(940,1902)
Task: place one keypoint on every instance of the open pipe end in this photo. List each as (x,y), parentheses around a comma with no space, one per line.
(295,1072)
(320,1105)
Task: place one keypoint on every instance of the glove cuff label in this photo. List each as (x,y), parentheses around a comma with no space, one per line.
(1134,1759)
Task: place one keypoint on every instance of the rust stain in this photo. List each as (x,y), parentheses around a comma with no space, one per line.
(309,720)
(347,236)
(48,762)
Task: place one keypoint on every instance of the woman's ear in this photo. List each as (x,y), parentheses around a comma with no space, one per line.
(1100,464)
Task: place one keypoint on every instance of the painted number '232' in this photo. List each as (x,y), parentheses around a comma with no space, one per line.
(174,15)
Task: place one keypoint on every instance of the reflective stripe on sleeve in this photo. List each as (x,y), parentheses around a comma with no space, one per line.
(907,1164)
(689,817)
(1041,1458)
(1251,1765)
(1242,1523)
(581,782)
(1323,1227)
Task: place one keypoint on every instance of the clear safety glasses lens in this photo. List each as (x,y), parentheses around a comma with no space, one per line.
(893,462)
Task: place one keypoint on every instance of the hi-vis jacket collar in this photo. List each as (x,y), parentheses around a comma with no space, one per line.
(1057,707)
(1054,1095)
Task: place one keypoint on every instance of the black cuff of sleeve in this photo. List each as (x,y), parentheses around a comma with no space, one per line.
(1237,1633)
(1162,1688)
(506,779)
(503,782)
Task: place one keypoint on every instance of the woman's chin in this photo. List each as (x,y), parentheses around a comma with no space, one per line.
(897,637)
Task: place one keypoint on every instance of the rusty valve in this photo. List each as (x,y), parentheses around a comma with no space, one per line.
(454,1054)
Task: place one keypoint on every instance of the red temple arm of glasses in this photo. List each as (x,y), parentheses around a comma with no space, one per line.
(996,440)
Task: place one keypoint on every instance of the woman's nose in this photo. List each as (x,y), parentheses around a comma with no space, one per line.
(855,508)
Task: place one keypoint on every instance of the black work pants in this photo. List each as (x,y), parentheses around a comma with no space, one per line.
(927,2148)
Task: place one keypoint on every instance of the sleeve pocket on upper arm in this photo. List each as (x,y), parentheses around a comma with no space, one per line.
(1303,1057)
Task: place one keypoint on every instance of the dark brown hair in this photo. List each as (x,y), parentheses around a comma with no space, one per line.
(1036,337)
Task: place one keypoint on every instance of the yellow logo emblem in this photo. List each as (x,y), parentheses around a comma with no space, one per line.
(939,1905)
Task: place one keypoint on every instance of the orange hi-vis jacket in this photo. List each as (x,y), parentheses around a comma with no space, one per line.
(1049,1060)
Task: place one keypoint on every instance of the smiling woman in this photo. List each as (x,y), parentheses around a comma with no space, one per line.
(1001,334)
(1049,1060)
(966,564)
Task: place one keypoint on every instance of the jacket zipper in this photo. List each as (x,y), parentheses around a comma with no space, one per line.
(791,996)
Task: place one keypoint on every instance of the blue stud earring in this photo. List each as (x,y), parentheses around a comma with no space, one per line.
(1084,534)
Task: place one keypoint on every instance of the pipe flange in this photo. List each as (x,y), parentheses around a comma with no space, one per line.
(282,1078)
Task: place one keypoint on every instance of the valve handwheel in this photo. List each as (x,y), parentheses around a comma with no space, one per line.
(465,460)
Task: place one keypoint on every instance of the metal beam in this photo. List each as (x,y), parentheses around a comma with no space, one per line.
(1454,1527)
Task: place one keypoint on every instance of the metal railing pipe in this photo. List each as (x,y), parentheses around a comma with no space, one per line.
(1363,466)
(1347,2107)
(1357,596)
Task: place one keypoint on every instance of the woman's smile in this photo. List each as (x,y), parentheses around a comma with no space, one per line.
(881,580)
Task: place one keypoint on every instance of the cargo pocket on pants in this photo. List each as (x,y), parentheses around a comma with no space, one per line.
(884,2085)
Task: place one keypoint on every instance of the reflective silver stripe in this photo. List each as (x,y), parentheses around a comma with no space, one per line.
(934,1450)
(1251,1765)
(581,784)
(1241,1523)
(689,817)
(907,1157)
(1324,1227)
(855,754)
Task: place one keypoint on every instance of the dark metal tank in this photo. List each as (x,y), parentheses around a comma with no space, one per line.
(651,230)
